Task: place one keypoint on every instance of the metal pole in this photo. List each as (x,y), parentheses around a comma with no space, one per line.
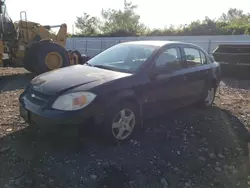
(86,47)
(209,46)
(101,46)
(74,46)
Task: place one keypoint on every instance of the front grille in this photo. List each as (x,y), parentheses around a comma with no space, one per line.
(37,97)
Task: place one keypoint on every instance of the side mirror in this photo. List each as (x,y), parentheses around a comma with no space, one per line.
(152,74)
(157,71)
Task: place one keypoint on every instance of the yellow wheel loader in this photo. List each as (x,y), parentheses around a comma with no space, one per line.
(33,46)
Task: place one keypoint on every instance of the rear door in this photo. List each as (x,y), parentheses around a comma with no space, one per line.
(197,72)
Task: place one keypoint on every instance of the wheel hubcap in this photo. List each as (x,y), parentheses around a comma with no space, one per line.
(210,96)
(123,124)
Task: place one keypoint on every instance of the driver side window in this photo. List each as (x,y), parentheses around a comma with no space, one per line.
(170,58)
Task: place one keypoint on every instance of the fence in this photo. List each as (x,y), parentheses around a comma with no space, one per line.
(93,46)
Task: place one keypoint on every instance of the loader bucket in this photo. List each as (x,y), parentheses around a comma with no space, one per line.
(233,54)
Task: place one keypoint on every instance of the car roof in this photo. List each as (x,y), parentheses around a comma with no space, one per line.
(155,42)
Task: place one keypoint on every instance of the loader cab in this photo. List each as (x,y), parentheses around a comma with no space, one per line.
(30,32)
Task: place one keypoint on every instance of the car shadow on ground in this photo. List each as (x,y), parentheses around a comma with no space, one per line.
(187,148)
(15,82)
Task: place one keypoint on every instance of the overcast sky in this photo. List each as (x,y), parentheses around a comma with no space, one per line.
(154,13)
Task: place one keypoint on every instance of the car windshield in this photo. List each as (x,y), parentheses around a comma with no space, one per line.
(123,57)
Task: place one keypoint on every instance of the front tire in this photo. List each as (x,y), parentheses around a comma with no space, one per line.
(122,122)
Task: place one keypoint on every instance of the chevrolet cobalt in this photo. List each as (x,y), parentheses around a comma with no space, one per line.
(122,85)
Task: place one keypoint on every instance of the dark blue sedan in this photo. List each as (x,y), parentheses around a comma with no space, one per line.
(121,86)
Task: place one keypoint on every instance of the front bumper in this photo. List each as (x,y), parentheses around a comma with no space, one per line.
(39,115)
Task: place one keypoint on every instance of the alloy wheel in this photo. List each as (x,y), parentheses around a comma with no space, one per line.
(210,97)
(123,124)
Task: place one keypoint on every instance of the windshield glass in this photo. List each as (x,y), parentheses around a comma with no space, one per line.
(123,57)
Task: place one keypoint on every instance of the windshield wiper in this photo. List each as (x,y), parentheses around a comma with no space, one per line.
(103,67)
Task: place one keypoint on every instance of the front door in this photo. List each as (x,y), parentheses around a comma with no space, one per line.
(166,89)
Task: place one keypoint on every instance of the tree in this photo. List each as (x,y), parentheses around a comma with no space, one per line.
(125,21)
(88,25)
(69,35)
(235,16)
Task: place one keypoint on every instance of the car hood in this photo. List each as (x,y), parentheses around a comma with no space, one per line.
(63,79)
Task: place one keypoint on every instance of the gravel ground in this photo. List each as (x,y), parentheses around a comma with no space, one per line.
(187,148)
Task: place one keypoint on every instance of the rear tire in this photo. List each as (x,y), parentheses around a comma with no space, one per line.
(84,58)
(77,56)
(208,96)
(35,56)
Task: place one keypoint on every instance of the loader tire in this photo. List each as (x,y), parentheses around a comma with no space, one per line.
(77,57)
(30,57)
(46,56)
(84,58)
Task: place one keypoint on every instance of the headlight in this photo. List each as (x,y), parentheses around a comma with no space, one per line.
(73,101)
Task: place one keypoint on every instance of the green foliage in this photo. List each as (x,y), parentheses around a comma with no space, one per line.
(126,22)
(88,25)
(235,16)
(69,35)
(122,22)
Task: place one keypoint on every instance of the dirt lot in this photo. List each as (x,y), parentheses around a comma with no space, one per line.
(187,148)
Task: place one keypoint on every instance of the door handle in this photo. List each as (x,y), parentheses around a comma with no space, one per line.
(185,78)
